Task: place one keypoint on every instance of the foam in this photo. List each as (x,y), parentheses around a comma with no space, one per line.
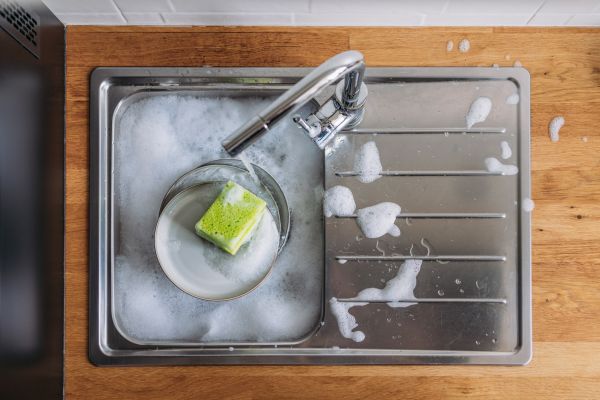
(493,165)
(401,287)
(367,163)
(377,220)
(506,150)
(554,127)
(346,321)
(479,111)
(159,138)
(464,45)
(528,205)
(254,258)
(338,201)
(513,99)
(449,45)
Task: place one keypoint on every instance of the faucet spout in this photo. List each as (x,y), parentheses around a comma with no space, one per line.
(343,110)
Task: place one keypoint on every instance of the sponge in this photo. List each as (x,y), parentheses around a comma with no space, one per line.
(231,218)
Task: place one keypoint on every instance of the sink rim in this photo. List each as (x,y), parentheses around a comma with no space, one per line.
(101,353)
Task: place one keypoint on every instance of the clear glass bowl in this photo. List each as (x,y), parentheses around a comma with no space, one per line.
(198,267)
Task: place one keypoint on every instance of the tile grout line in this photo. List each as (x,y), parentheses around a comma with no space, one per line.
(445,7)
(537,10)
(171,6)
(114,3)
(568,20)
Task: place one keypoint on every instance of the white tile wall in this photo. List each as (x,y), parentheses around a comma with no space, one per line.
(329,12)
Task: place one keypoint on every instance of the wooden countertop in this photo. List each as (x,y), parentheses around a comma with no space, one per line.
(565,67)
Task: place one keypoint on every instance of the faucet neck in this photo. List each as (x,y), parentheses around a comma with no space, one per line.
(342,110)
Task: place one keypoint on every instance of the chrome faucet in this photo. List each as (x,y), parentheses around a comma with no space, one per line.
(343,110)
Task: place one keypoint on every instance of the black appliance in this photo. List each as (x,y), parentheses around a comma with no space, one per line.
(32,87)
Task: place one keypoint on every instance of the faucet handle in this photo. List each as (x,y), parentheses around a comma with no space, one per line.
(312,130)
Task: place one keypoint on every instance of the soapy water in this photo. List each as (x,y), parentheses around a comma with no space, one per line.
(478,111)
(346,321)
(493,165)
(449,45)
(513,99)
(528,205)
(367,163)
(401,287)
(377,220)
(338,201)
(159,138)
(464,45)
(506,150)
(242,157)
(554,127)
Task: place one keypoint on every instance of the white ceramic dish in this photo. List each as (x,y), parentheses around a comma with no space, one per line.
(197,266)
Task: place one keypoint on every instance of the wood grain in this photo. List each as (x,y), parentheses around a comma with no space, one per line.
(565,68)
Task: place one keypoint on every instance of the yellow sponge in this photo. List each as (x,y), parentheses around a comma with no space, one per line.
(231,218)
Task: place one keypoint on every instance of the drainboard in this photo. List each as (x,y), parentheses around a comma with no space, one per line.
(462,224)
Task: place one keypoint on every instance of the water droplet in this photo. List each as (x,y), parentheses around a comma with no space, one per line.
(477,342)
(457,281)
(388,319)
(440,292)
(461,290)
(494,340)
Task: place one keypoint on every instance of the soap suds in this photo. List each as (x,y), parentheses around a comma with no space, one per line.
(159,138)
(449,45)
(493,165)
(479,111)
(377,220)
(464,45)
(242,157)
(346,321)
(233,195)
(401,287)
(338,201)
(554,127)
(528,205)
(506,150)
(367,163)
(513,99)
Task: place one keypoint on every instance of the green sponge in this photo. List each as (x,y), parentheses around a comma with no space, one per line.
(231,218)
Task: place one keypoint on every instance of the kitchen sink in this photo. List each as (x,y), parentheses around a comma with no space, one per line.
(465,223)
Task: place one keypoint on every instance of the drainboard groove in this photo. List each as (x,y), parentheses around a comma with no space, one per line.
(482,172)
(425,300)
(435,131)
(443,215)
(424,258)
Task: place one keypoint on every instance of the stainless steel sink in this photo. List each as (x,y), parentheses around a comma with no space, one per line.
(473,293)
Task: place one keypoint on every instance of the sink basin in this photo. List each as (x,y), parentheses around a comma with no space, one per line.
(465,223)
